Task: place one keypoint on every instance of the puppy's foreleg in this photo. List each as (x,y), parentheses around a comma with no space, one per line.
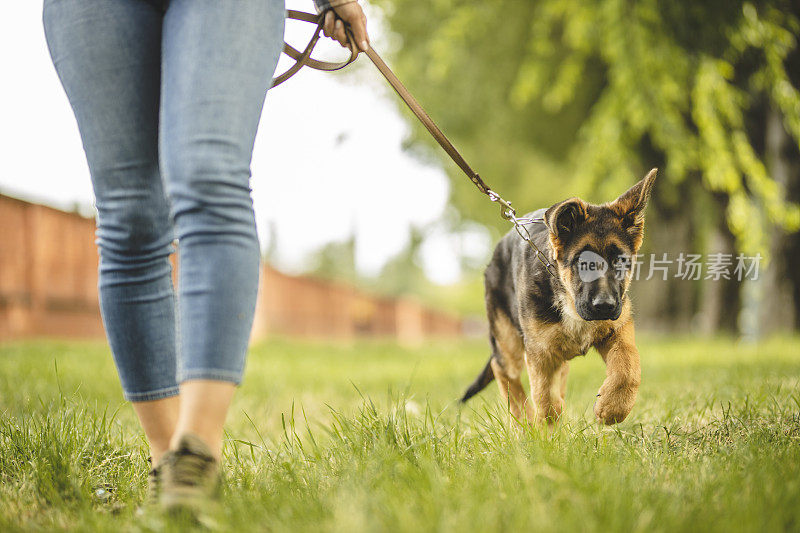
(563,376)
(623,375)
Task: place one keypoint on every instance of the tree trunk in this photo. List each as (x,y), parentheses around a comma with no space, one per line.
(721,298)
(776,309)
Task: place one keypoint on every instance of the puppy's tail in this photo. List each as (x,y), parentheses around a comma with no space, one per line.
(483,379)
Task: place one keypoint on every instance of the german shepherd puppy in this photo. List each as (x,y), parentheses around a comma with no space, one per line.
(542,318)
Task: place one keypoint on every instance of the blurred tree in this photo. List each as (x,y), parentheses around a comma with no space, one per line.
(335,260)
(402,274)
(549,99)
(270,253)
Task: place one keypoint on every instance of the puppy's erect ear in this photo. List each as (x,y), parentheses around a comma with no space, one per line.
(563,218)
(630,205)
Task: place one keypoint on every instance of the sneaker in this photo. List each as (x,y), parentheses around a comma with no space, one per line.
(188,477)
(153,484)
(153,489)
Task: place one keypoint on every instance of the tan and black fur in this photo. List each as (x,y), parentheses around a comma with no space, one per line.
(540,321)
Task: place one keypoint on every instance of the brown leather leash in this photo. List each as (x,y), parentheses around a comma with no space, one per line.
(304,59)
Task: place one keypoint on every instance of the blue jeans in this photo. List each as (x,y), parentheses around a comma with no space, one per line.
(168,95)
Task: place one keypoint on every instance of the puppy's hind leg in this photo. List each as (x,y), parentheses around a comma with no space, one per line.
(512,392)
(507,363)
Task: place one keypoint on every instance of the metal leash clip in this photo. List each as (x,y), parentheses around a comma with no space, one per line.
(510,214)
(506,211)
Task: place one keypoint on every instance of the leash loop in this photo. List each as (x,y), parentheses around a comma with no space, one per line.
(507,212)
(304,58)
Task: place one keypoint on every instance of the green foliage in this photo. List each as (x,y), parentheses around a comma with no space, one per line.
(552,99)
(315,442)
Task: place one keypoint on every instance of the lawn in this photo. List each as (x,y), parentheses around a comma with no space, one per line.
(368,437)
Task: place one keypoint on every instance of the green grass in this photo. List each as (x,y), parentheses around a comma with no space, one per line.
(367,437)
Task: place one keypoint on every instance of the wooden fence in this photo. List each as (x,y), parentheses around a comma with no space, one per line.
(48,287)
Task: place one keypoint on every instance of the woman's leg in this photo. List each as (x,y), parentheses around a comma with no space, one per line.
(108,57)
(218,61)
(158,419)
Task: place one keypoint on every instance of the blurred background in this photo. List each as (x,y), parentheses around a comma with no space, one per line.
(368,229)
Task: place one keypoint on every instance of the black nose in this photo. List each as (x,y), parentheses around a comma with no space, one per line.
(604,304)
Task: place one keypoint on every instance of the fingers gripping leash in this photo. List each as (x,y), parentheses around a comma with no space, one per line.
(304,59)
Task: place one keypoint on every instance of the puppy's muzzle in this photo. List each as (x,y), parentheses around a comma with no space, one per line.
(600,307)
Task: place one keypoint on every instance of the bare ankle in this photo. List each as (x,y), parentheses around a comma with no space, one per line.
(158,419)
(157,451)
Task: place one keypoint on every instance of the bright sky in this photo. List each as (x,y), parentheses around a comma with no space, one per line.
(327,159)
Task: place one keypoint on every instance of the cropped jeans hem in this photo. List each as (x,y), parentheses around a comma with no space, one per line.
(149,396)
(213,374)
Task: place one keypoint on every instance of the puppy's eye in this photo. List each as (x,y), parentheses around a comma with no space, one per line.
(615,255)
(621,262)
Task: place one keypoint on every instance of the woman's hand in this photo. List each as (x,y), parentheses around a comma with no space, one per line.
(352,14)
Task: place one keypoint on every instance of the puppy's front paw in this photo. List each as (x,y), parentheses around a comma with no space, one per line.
(614,403)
